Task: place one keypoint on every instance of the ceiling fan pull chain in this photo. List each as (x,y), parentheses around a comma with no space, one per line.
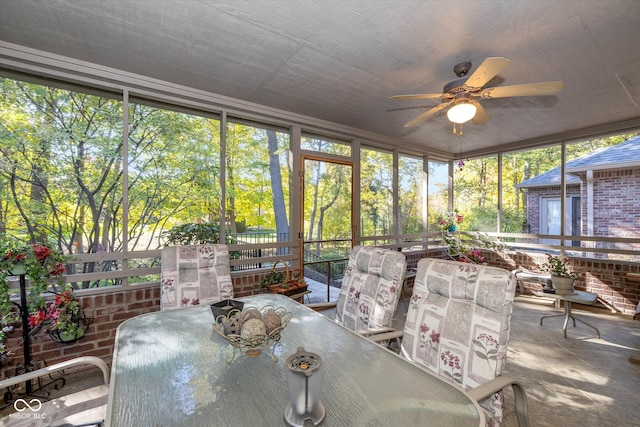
(460,128)
(454,128)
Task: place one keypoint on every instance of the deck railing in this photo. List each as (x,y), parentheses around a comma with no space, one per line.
(102,271)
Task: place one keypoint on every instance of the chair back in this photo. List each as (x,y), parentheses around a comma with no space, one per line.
(458,323)
(194,274)
(371,288)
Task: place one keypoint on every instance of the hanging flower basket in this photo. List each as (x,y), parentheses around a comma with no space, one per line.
(64,319)
(70,336)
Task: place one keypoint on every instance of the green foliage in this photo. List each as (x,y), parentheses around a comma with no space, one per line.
(192,234)
(40,263)
(476,184)
(376,192)
(273,278)
(558,266)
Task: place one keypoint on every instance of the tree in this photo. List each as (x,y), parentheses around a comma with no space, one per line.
(62,171)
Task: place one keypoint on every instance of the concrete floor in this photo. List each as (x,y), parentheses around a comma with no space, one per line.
(579,380)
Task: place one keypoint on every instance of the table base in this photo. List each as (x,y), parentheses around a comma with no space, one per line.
(567,314)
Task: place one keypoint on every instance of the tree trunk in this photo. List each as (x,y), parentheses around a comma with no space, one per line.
(277,194)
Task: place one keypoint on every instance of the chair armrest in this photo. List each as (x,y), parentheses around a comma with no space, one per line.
(374,331)
(487,389)
(319,306)
(84,360)
(385,336)
(299,295)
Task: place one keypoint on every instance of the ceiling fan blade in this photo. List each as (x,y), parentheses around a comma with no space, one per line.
(418,96)
(530,89)
(481,116)
(428,113)
(489,68)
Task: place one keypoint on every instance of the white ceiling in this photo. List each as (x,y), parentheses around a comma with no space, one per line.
(340,61)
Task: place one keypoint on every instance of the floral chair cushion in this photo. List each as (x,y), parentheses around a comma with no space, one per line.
(371,288)
(458,324)
(195,274)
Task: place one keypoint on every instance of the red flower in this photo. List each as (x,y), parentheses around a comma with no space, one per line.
(36,318)
(20,257)
(58,270)
(41,252)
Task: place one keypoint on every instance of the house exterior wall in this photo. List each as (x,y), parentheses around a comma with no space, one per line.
(614,281)
(616,205)
(534,196)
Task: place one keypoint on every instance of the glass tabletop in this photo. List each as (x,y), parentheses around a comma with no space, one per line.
(169,368)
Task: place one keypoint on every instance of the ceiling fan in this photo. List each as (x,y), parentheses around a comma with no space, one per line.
(464,93)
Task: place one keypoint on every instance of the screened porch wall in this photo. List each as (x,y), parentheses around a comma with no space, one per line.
(611,280)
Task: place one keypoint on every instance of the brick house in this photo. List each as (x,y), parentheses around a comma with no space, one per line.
(602,198)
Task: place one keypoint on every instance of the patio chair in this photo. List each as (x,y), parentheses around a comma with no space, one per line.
(194,274)
(458,326)
(82,408)
(370,291)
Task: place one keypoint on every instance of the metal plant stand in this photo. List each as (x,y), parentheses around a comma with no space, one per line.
(28,365)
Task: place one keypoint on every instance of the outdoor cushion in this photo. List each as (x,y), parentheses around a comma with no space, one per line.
(371,288)
(458,323)
(195,274)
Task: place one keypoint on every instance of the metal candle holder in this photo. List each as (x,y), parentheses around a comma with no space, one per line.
(304,373)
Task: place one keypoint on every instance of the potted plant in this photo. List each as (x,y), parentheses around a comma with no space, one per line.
(451,221)
(64,318)
(561,276)
(273,280)
(279,282)
(42,267)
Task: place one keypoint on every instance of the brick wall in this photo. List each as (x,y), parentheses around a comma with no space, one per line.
(108,311)
(606,278)
(534,196)
(616,205)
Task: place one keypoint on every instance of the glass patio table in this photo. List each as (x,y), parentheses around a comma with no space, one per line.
(170,368)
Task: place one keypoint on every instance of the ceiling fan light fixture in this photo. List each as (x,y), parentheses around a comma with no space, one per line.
(462,112)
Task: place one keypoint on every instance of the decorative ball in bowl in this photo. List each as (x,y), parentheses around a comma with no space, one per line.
(251,329)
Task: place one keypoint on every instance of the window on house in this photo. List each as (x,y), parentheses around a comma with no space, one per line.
(173,176)
(61,171)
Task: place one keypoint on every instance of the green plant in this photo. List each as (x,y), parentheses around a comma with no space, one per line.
(63,315)
(273,278)
(41,265)
(449,220)
(192,234)
(558,266)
